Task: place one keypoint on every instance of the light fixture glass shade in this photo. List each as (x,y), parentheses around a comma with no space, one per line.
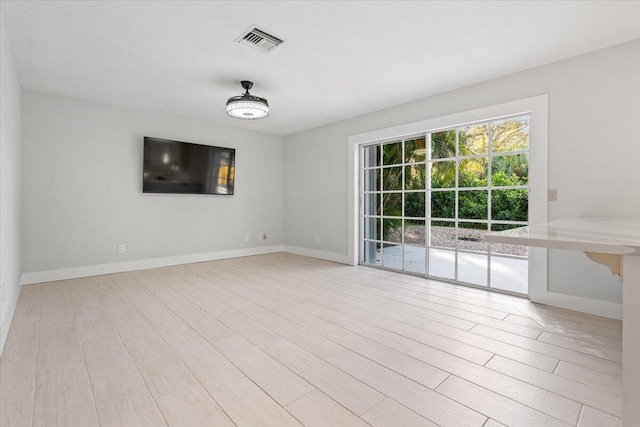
(247,106)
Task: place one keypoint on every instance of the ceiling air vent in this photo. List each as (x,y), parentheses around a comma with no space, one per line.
(259,39)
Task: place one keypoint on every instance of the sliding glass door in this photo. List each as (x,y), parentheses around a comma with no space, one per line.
(427,201)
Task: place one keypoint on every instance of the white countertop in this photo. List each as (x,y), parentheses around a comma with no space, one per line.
(607,235)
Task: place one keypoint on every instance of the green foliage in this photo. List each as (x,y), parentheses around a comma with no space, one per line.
(516,167)
(509,205)
(392,153)
(506,170)
(443,204)
(414,205)
(472,204)
(510,134)
(443,144)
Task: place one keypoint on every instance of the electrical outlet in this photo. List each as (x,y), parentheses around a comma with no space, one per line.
(122,249)
(264,236)
(552,195)
(260,237)
(317,239)
(246,237)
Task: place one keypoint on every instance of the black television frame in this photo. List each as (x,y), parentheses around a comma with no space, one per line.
(145,184)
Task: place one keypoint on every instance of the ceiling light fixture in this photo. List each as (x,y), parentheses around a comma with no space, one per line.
(247,106)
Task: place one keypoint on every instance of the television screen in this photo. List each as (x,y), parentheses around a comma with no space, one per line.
(185,168)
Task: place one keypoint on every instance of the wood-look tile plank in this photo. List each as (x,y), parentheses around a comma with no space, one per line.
(574,331)
(204,361)
(93,322)
(424,294)
(239,323)
(497,407)
(550,350)
(592,418)
(500,305)
(436,316)
(63,397)
(431,405)
(353,324)
(302,337)
(346,277)
(162,370)
(316,409)
(132,408)
(592,338)
(402,284)
(417,297)
(547,402)
(57,308)
(531,318)
(327,287)
(609,383)
(192,407)
(58,344)
(249,406)
(17,372)
(320,319)
(317,286)
(303,290)
(380,307)
(205,324)
(447,344)
(284,304)
(598,330)
(103,284)
(425,310)
(111,370)
(573,390)
(18,361)
(280,383)
(390,413)
(121,396)
(561,313)
(563,330)
(410,367)
(343,388)
(83,293)
(501,347)
(165,369)
(597,350)
(28,307)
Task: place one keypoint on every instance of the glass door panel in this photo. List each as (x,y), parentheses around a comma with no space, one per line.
(392,256)
(472,268)
(427,201)
(414,259)
(442,263)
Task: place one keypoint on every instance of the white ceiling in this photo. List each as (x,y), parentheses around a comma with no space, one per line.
(339,59)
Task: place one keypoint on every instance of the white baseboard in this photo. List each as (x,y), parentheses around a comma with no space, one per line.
(119,267)
(327,256)
(585,305)
(7,318)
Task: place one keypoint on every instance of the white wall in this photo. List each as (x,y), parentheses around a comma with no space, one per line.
(10,264)
(594,152)
(82,183)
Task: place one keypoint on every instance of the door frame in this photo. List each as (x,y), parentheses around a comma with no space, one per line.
(537,109)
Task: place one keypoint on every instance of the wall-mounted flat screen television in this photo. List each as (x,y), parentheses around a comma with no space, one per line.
(185,168)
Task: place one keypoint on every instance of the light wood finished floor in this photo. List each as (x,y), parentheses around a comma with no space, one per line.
(283,340)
